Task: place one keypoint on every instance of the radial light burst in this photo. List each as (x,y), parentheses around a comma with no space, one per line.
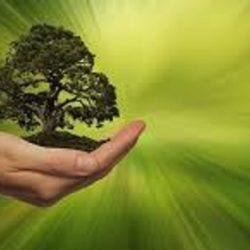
(184,67)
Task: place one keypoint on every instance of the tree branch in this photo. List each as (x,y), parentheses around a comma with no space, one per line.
(26,84)
(63,104)
(76,92)
(54,95)
(7,90)
(82,103)
(37,111)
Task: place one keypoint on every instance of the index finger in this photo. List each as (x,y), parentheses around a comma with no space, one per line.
(113,151)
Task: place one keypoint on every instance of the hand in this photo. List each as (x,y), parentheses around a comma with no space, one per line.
(42,176)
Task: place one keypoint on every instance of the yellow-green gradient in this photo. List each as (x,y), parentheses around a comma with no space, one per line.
(184,67)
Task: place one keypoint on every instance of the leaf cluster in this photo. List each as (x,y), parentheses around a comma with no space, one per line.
(48,80)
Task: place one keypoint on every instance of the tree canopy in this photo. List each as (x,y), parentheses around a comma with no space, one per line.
(48,81)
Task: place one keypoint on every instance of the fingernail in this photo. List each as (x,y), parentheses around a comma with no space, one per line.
(141,126)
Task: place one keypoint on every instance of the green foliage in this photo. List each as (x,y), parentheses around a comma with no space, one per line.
(60,60)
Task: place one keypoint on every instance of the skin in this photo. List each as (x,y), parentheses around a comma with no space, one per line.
(42,176)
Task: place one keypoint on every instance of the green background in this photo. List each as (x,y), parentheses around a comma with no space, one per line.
(184,67)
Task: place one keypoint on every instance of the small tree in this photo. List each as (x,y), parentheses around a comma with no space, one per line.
(47,81)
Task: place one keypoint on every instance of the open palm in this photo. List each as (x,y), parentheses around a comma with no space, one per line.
(42,176)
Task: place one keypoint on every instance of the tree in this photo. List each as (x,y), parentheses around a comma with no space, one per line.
(47,80)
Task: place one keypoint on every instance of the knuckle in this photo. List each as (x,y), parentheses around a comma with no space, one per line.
(86,164)
(47,195)
(93,163)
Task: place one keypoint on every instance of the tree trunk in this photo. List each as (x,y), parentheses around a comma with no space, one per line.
(49,126)
(49,122)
